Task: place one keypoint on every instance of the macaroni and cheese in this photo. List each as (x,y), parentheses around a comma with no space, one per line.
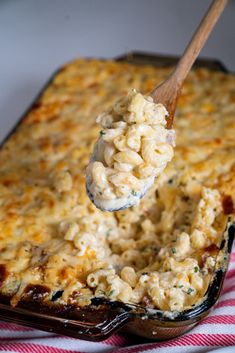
(57,247)
(133,148)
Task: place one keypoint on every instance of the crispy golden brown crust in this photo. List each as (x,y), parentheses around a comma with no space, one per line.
(42,188)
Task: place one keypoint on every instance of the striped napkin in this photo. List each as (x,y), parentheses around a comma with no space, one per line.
(216,330)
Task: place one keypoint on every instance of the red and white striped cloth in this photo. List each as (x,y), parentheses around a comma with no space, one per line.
(216,330)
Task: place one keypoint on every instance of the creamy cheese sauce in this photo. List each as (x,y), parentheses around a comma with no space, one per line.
(134,147)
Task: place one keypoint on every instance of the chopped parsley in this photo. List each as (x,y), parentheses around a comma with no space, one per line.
(110,293)
(196,269)
(134,193)
(108,233)
(190,290)
(181,286)
(173,250)
(102,132)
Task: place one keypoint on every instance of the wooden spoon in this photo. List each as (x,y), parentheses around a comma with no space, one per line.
(168,92)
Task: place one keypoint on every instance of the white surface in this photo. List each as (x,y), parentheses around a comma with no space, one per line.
(38,36)
(223,350)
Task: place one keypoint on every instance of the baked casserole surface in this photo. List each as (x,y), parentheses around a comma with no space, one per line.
(160,253)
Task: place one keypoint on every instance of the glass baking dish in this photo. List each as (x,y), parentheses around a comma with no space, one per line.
(102,318)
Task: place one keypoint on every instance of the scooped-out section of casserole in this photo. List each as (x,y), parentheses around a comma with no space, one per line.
(56,246)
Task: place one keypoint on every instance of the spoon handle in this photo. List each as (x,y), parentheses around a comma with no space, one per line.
(168,92)
(198,40)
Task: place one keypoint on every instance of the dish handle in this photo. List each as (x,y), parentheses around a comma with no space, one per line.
(95,326)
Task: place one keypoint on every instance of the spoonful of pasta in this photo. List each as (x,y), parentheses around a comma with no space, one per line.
(137,140)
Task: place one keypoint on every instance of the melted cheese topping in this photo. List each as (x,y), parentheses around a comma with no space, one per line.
(134,147)
(160,253)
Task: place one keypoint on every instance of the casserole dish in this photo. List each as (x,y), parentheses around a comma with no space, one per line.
(101,317)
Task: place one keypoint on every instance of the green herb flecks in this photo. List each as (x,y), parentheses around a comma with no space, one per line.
(190,290)
(111,292)
(108,233)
